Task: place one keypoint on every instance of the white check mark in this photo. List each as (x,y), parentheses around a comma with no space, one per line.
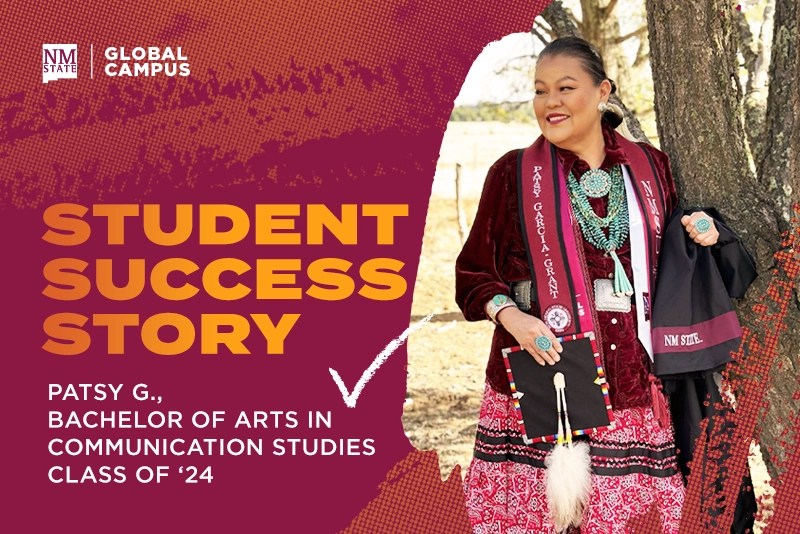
(351,398)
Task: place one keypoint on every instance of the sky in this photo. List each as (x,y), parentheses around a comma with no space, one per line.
(484,84)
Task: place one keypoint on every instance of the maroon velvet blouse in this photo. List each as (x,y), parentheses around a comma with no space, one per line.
(494,256)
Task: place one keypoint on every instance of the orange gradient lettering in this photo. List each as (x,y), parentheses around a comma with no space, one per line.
(65,225)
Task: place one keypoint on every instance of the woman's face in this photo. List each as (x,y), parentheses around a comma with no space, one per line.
(566,102)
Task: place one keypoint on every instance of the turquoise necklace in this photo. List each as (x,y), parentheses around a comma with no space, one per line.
(615,222)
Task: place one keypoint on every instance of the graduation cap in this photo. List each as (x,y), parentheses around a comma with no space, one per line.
(536,399)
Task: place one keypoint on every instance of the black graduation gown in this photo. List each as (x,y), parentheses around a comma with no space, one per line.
(723,271)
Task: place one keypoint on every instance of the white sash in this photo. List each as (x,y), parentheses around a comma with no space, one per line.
(641,280)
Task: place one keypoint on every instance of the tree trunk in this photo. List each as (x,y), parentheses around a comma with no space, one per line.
(757,54)
(781,164)
(698,105)
(699,111)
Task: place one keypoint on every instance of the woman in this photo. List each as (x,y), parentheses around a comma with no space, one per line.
(592,250)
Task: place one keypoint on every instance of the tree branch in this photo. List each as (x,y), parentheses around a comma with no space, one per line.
(637,33)
(609,8)
(560,20)
(642,53)
(631,122)
(538,35)
(511,66)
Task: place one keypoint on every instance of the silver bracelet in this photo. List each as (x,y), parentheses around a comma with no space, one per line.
(498,303)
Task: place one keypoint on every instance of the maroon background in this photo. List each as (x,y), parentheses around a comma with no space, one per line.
(311,102)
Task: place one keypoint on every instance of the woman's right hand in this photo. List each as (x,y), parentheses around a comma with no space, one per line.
(526,328)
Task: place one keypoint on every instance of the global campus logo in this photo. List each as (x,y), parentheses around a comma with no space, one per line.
(59,61)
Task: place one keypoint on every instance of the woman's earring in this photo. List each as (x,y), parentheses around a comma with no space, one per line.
(602,107)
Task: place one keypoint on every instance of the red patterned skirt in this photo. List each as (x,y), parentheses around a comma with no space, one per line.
(634,467)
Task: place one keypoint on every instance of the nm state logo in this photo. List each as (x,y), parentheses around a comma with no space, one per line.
(59,61)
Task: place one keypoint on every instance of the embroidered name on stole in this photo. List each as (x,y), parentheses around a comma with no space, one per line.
(548,230)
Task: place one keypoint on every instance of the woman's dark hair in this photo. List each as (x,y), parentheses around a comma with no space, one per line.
(592,61)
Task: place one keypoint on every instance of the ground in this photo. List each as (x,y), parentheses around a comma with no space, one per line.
(446,360)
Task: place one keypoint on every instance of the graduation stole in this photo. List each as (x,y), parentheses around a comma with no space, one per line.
(558,271)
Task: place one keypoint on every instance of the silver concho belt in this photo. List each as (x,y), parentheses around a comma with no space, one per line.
(521,293)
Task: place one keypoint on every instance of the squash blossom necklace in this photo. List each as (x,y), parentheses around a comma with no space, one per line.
(596,183)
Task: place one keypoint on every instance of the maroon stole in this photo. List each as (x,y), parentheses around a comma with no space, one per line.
(559,274)
(558,269)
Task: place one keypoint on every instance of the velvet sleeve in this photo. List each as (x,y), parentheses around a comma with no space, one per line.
(661,161)
(479,265)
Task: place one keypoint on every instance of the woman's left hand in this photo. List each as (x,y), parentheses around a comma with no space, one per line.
(707,238)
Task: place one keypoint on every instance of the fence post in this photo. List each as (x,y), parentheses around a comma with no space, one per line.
(462,220)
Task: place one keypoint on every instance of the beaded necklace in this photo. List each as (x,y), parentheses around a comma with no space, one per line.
(615,222)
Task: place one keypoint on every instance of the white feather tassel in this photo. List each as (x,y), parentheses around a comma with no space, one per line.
(569,483)
(568,478)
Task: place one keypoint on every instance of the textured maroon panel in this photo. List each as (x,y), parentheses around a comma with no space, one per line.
(287,102)
(414,499)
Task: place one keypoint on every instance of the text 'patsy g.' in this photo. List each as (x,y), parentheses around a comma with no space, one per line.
(91,233)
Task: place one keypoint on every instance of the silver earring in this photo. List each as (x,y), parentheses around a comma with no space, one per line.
(602,107)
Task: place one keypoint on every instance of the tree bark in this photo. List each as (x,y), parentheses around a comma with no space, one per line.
(757,55)
(559,19)
(695,75)
(700,123)
(780,168)
(600,27)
